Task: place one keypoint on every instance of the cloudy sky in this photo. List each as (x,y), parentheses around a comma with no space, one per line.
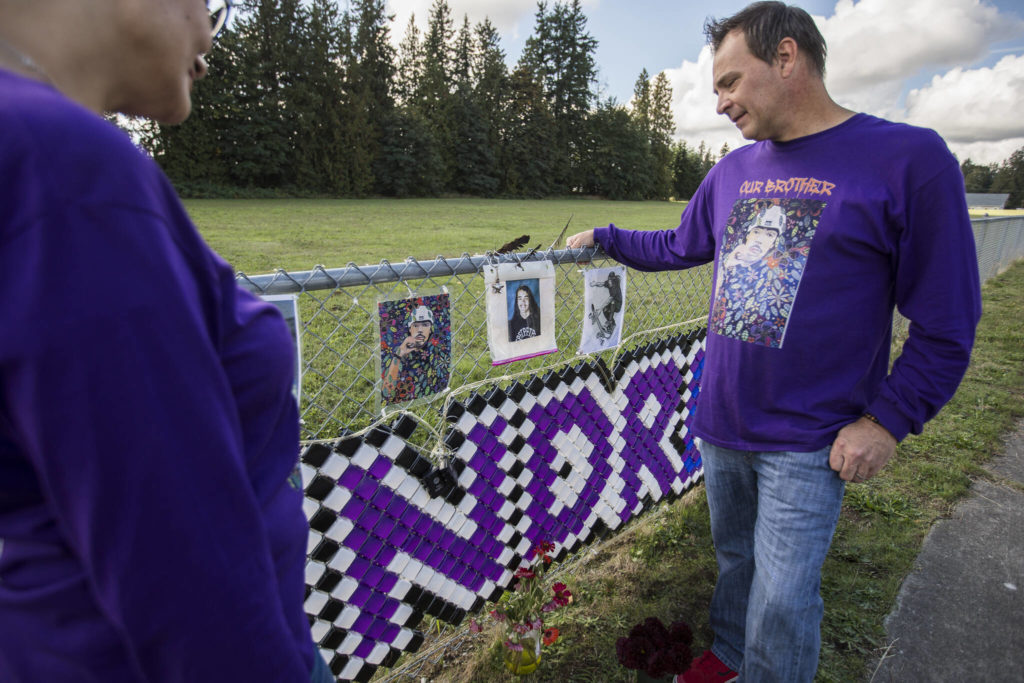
(953,65)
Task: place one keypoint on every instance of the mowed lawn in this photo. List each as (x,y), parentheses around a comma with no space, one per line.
(260,236)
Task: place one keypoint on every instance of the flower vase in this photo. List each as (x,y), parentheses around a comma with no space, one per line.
(524,657)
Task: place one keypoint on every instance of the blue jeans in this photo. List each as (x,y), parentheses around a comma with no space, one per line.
(321,672)
(772,520)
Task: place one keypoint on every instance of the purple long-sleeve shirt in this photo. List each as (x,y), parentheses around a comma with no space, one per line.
(815,240)
(147,426)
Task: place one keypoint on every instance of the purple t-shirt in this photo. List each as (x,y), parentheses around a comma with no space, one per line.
(815,240)
(147,426)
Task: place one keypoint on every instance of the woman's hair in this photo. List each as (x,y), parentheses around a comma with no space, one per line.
(764,25)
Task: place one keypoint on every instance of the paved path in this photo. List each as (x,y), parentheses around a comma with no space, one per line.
(959,617)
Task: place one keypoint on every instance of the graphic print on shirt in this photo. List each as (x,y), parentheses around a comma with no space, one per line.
(761,260)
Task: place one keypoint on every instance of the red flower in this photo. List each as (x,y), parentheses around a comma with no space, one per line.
(655,649)
(475,627)
(562,595)
(524,573)
(550,635)
(542,551)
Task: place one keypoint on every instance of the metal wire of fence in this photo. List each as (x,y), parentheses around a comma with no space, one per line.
(341,375)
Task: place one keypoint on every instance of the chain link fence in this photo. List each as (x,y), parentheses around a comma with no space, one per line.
(340,342)
(1000,242)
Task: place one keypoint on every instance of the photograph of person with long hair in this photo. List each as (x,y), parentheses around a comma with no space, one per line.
(524,313)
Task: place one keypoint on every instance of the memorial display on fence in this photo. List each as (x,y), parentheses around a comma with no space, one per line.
(564,457)
(288,305)
(604,296)
(415,347)
(520,310)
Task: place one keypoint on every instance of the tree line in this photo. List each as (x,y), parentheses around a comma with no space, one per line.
(306,99)
(1007,177)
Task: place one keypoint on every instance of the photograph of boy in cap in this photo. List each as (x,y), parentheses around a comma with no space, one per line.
(415,347)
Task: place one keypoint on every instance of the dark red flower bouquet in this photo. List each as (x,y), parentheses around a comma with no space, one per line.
(656,650)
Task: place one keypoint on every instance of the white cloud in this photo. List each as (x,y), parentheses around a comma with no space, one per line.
(975,105)
(880,41)
(504,14)
(875,47)
(985,153)
(507,16)
(693,106)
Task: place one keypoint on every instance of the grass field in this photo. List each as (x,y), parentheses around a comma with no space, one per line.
(260,236)
(663,564)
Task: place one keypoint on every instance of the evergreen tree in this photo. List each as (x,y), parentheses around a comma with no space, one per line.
(641,102)
(686,171)
(409,162)
(462,65)
(978,178)
(1010,178)
(322,146)
(619,154)
(490,82)
(270,42)
(196,155)
(474,170)
(662,128)
(434,102)
(652,115)
(527,154)
(561,53)
(410,64)
(371,72)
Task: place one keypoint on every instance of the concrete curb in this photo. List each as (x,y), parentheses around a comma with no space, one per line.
(959,616)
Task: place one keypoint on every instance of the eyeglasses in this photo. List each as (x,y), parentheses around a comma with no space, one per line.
(219,11)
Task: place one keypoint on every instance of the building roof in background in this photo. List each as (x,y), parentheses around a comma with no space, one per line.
(986,200)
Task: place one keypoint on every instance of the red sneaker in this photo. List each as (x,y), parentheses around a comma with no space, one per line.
(707,669)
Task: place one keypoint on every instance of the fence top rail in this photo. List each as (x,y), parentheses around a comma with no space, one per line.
(997,219)
(283,282)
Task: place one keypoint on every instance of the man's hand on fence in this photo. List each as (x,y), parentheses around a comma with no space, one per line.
(580,240)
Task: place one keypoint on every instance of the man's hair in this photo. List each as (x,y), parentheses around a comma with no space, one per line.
(764,25)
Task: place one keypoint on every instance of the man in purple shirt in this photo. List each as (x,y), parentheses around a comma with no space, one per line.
(797,398)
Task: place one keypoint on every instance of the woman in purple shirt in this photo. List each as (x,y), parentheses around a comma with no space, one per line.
(147,428)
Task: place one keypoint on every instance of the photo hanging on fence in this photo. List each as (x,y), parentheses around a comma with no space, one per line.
(604,308)
(415,347)
(288,304)
(520,310)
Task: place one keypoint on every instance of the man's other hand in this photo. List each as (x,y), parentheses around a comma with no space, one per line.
(861,450)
